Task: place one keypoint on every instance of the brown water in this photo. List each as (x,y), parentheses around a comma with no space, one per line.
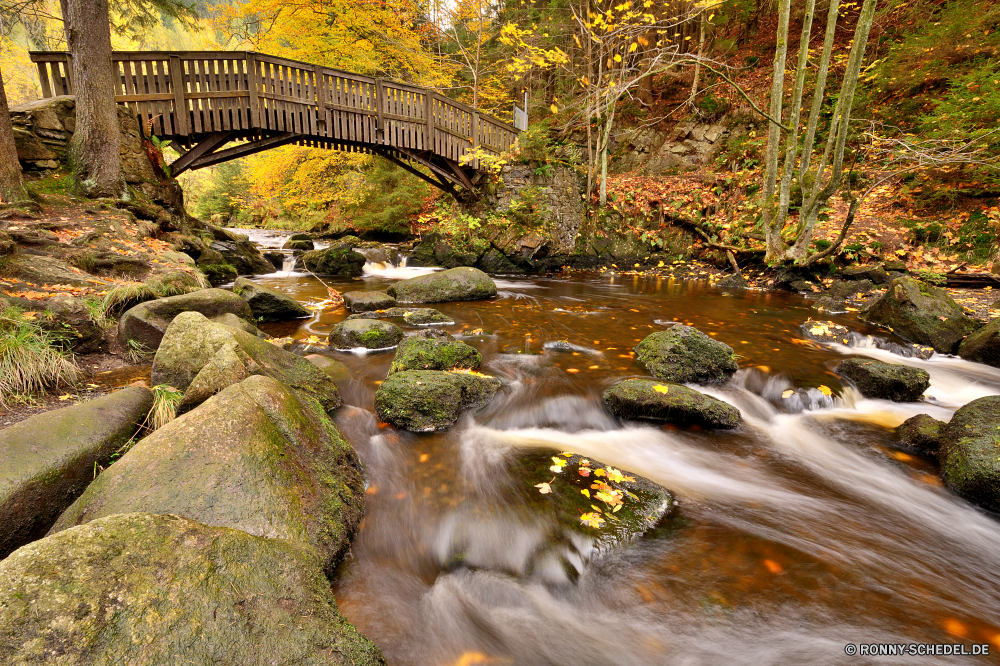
(798,533)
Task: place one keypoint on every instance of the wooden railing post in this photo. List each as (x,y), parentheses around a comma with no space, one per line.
(43,78)
(180,103)
(320,96)
(251,61)
(68,66)
(475,129)
(379,99)
(429,111)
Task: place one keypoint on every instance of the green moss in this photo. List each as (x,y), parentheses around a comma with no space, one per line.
(970,452)
(649,399)
(684,354)
(418,353)
(219,272)
(424,400)
(367,333)
(885,381)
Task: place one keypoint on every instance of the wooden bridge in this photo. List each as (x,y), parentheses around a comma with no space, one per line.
(201,101)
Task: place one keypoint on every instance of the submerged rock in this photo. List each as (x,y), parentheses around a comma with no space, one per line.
(195,594)
(146,323)
(922,434)
(885,381)
(411,316)
(337,259)
(268,304)
(921,313)
(652,400)
(426,353)
(366,333)
(332,367)
(49,459)
(366,301)
(256,457)
(684,354)
(425,400)
(983,346)
(456,284)
(970,452)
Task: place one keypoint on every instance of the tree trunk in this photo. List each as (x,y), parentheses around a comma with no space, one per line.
(11,182)
(697,64)
(95,151)
(772,232)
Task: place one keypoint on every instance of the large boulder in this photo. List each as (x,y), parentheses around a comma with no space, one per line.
(337,259)
(366,301)
(365,333)
(268,304)
(38,270)
(49,459)
(922,434)
(146,323)
(920,313)
(970,452)
(305,244)
(236,250)
(410,316)
(256,457)
(684,354)
(885,381)
(67,321)
(456,284)
(420,352)
(426,400)
(655,401)
(202,357)
(145,589)
(983,346)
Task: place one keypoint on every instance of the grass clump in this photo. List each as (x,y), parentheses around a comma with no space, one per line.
(30,359)
(121,298)
(165,401)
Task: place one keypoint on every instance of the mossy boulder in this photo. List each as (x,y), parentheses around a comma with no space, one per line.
(885,381)
(921,434)
(256,457)
(233,321)
(684,354)
(410,316)
(147,590)
(173,283)
(983,346)
(268,304)
(334,369)
(366,301)
(655,401)
(304,244)
(970,452)
(219,272)
(67,321)
(423,353)
(921,313)
(875,274)
(337,259)
(236,250)
(146,323)
(366,333)
(426,400)
(48,459)
(456,284)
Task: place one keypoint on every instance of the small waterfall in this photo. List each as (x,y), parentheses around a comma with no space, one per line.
(288,264)
(388,262)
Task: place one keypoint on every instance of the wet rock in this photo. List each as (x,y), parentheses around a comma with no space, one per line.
(885,381)
(146,323)
(334,369)
(735,280)
(366,301)
(921,434)
(268,304)
(921,313)
(48,459)
(655,401)
(425,400)
(684,354)
(983,346)
(304,244)
(427,353)
(456,284)
(219,273)
(275,258)
(411,316)
(299,237)
(195,594)
(970,452)
(201,358)
(237,251)
(256,457)
(337,259)
(495,261)
(366,333)
(876,274)
(233,321)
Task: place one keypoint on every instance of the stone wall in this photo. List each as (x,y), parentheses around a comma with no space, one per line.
(562,192)
(687,146)
(43,129)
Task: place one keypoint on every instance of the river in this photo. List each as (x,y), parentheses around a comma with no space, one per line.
(801,531)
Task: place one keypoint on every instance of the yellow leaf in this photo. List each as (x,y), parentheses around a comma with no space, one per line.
(660,388)
(633,47)
(554,108)
(617,507)
(65,397)
(544,488)
(788,393)
(825,390)
(585,493)
(618,57)
(557,469)
(598,472)
(615,475)
(577,40)
(592,520)
(558,461)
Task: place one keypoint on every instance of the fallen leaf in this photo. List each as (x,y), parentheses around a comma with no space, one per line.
(585,493)
(825,390)
(788,393)
(773,566)
(591,519)
(661,388)
(65,397)
(544,488)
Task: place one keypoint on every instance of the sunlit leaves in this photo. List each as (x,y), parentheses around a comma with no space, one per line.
(661,388)
(544,488)
(592,519)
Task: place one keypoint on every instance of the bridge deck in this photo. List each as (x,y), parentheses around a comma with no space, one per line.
(202,100)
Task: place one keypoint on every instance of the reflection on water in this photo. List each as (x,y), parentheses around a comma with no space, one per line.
(799,532)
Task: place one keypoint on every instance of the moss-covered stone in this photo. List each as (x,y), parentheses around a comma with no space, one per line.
(422,353)
(425,400)
(48,459)
(885,381)
(337,259)
(411,316)
(336,370)
(235,250)
(367,333)
(67,321)
(146,323)
(366,301)
(655,401)
(983,346)
(268,304)
(173,283)
(256,457)
(149,590)
(970,452)
(921,313)
(684,354)
(298,244)
(921,434)
(457,284)
(219,272)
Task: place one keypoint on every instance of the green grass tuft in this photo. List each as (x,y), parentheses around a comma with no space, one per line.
(30,359)
(165,401)
(123,297)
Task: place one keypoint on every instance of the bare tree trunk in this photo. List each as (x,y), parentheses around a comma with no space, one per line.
(95,151)
(11,182)
(772,232)
(697,64)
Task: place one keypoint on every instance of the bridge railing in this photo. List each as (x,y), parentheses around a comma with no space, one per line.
(185,95)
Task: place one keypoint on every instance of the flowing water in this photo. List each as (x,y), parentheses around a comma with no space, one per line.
(803,530)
